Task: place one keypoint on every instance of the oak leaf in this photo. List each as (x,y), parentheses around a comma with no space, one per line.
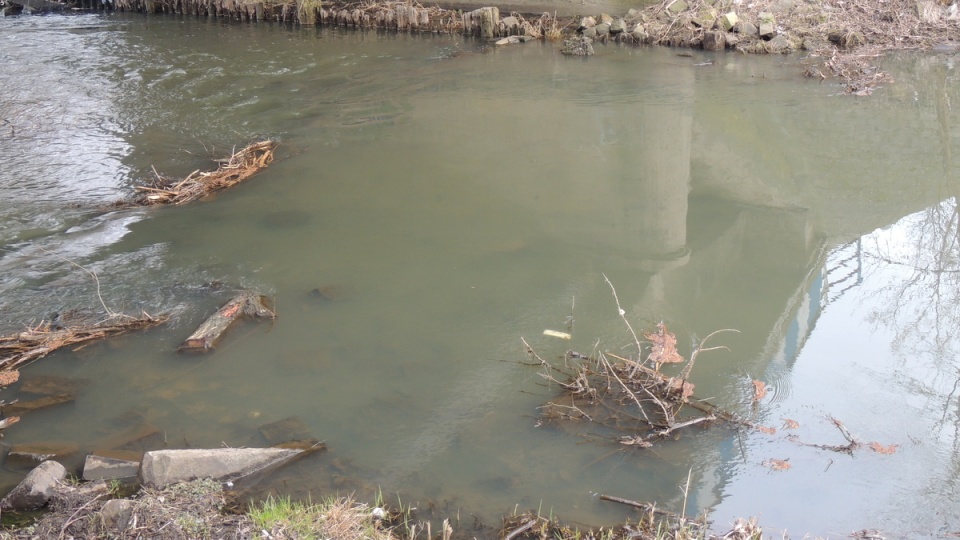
(9,377)
(881,449)
(790,424)
(759,390)
(777,464)
(664,347)
(767,430)
(685,388)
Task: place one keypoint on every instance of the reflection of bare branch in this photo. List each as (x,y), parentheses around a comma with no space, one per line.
(921,305)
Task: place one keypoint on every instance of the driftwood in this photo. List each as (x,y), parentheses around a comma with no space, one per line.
(21,348)
(246,304)
(232,170)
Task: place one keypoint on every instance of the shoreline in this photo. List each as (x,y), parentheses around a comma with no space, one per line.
(841,39)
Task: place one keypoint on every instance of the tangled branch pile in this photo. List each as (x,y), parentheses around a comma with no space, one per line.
(21,348)
(629,398)
(233,170)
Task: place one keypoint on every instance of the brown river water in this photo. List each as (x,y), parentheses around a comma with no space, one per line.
(453,199)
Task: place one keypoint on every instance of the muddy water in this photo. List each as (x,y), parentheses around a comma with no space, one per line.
(436,201)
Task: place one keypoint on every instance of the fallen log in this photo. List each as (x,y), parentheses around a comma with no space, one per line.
(246,304)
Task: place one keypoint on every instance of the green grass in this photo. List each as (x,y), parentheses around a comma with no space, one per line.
(333,519)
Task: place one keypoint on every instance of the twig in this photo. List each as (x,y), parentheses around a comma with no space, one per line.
(626,388)
(93,274)
(74,517)
(681,425)
(685,374)
(623,316)
(520,530)
(643,506)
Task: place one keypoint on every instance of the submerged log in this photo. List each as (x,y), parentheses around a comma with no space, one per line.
(246,304)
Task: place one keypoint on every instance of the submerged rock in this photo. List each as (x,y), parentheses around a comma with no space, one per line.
(28,455)
(36,489)
(578,46)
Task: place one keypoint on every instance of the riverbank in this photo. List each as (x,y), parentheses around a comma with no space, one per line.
(200,510)
(841,38)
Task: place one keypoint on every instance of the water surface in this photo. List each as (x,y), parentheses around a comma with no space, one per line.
(455,199)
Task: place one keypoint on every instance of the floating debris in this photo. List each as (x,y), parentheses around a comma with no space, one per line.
(232,170)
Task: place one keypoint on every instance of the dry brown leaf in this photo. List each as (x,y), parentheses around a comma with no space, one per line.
(881,449)
(664,349)
(790,424)
(767,430)
(685,388)
(635,440)
(759,390)
(9,377)
(777,464)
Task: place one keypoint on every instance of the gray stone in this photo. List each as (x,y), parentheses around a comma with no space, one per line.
(510,26)
(604,18)
(106,468)
(36,489)
(746,28)
(727,21)
(767,30)
(706,18)
(618,26)
(603,30)
(768,25)
(587,22)
(116,514)
(731,39)
(677,7)
(164,467)
(779,45)
(714,40)
(512,40)
(590,33)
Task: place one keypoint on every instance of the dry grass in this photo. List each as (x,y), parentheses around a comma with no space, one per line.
(652,524)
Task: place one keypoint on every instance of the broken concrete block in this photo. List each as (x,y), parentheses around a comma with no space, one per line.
(105,468)
(728,21)
(768,25)
(163,467)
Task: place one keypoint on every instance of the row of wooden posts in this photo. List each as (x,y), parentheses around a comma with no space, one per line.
(484,22)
